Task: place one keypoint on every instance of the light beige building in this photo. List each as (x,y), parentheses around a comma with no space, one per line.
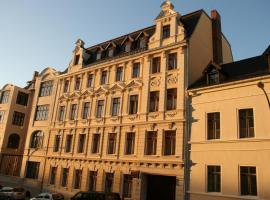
(230,132)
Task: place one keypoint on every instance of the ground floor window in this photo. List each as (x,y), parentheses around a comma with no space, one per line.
(213,178)
(248,181)
(64,180)
(32,170)
(109,182)
(53,175)
(127,186)
(77,179)
(92,181)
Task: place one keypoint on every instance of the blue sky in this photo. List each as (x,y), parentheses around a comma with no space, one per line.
(35,34)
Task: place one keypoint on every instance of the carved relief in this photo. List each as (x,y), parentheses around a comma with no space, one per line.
(172,79)
(155,81)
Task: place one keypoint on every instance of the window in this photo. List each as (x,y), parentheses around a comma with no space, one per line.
(166,32)
(169,143)
(46,88)
(151,143)
(95,143)
(213,126)
(61,114)
(42,113)
(103,79)
(171,99)
(66,86)
(4,97)
(81,143)
(77,83)
(22,99)
(127,186)
(68,143)
(172,61)
(213,179)
(36,140)
(136,70)
(92,182)
(32,170)
(155,65)
(130,143)
(133,104)
(100,105)
(18,118)
(2,115)
(119,74)
(108,182)
(111,52)
(90,80)
(248,181)
(85,111)
(142,43)
(57,141)
(78,178)
(53,175)
(73,112)
(13,141)
(76,59)
(154,101)
(64,179)
(213,77)
(98,57)
(112,143)
(115,106)
(128,47)
(246,123)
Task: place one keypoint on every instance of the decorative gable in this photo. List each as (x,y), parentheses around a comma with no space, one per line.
(101,90)
(134,84)
(117,87)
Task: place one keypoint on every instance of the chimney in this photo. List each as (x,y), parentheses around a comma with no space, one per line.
(216,37)
(35,74)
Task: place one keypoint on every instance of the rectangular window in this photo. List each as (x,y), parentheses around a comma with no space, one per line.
(213,178)
(172,61)
(115,106)
(53,175)
(85,111)
(61,114)
(42,113)
(95,143)
(73,112)
(2,115)
(100,105)
(66,86)
(92,181)
(18,118)
(127,186)
(154,101)
(68,143)
(112,143)
(77,83)
(77,179)
(90,80)
(77,59)
(64,179)
(57,141)
(155,65)
(32,170)
(166,31)
(248,181)
(169,143)
(142,43)
(213,77)
(128,47)
(81,143)
(246,123)
(130,143)
(111,52)
(22,99)
(4,97)
(119,74)
(133,104)
(103,79)
(151,143)
(46,88)
(136,70)
(108,182)
(171,99)
(213,126)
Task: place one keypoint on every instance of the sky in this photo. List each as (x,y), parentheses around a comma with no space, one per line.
(35,34)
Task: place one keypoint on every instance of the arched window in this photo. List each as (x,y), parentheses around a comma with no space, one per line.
(13,141)
(36,140)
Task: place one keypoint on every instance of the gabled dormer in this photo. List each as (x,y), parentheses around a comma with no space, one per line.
(213,74)
(110,49)
(169,29)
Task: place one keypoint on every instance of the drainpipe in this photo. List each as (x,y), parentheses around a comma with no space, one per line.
(261,86)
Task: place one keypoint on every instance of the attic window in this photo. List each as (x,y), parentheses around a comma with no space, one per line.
(213,77)
(76,60)
(142,43)
(111,52)
(166,31)
(98,55)
(128,47)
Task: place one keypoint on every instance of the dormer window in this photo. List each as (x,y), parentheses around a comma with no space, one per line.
(213,77)
(111,52)
(128,47)
(76,59)
(142,43)
(166,31)
(98,55)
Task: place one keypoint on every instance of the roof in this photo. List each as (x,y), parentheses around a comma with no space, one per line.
(239,70)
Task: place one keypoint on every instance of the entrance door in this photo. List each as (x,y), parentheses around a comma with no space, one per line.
(161,187)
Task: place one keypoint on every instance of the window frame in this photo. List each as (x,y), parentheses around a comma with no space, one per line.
(239,125)
(137,105)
